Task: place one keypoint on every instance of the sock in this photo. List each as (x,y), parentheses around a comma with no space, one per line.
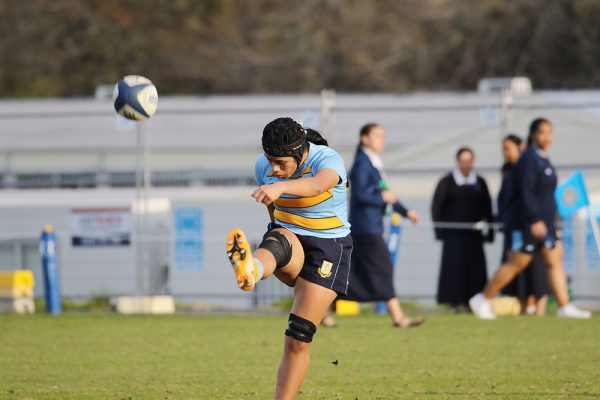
(531,310)
(258,270)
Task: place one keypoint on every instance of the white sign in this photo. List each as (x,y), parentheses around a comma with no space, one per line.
(490,115)
(100,227)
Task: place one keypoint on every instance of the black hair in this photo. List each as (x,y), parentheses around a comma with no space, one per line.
(511,137)
(464,149)
(534,127)
(284,137)
(315,137)
(364,131)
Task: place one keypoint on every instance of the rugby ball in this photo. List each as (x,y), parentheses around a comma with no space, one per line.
(135,97)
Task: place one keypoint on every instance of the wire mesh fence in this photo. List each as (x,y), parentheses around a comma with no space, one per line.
(204,144)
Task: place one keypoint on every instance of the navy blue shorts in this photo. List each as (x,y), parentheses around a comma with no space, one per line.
(525,242)
(327,261)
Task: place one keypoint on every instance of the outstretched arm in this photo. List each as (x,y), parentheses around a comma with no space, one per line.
(324,179)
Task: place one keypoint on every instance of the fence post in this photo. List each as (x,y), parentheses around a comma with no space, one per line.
(506,101)
(327,106)
(50,270)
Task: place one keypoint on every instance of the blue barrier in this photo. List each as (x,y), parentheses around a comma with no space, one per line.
(50,270)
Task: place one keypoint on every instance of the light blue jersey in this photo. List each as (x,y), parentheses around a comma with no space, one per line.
(325,215)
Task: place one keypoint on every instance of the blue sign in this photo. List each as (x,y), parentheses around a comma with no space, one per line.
(189,242)
(571,195)
(568,245)
(591,250)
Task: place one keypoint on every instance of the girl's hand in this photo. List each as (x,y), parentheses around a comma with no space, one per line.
(539,229)
(267,194)
(413,216)
(388,196)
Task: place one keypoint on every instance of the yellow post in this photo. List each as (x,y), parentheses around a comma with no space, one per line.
(347,307)
(16,291)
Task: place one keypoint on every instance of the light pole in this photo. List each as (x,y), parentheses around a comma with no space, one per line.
(142,186)
(507,88)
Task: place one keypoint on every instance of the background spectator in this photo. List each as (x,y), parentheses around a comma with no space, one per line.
(371,275)
(461,197)
(531,285)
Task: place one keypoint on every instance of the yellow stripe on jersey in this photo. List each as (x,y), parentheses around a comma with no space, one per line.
(306,170)
(303,202)
(316,224)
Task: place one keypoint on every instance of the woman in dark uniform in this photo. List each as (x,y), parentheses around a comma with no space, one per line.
(531,285)
(461,197)
(536,180)
(371,273)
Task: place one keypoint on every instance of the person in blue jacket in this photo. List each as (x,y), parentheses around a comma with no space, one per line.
(533,227)
(371,272)
(531,285)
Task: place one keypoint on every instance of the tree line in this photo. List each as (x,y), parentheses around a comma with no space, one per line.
(67,47)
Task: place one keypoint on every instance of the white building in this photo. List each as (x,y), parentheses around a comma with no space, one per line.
(79,156)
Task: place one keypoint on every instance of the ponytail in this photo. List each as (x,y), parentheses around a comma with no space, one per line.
(364,131)
(315,137)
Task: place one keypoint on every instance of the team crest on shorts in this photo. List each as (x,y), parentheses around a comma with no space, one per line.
(325,269)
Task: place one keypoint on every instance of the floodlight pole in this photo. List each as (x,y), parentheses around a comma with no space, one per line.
(142,185)
(505,111)
(327,115)
(138,209)
(146,215)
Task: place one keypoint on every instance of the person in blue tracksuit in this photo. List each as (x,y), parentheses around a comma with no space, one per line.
(533,229)
(371,272)
(531,285)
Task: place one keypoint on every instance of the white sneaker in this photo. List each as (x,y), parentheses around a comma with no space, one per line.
(481,307)
(571,311)
(531,310)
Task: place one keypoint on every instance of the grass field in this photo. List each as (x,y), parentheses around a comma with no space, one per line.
(91,356)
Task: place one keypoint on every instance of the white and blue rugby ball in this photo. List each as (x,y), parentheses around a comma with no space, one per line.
(135,97)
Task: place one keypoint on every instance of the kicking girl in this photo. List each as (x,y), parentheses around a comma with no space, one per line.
(308,244)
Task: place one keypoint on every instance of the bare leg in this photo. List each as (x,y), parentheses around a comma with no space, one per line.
(541,306)
(397,314)
(516,263)
(395,309)
(556,273)
(267,260)
(328,319)
(311,302)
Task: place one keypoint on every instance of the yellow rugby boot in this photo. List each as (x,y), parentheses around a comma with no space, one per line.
(240,257)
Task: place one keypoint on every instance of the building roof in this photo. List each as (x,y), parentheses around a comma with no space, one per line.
(423,129)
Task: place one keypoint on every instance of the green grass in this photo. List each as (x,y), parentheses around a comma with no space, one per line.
(91,356)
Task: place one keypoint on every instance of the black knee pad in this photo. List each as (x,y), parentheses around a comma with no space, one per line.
(300,329)
(280,247)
